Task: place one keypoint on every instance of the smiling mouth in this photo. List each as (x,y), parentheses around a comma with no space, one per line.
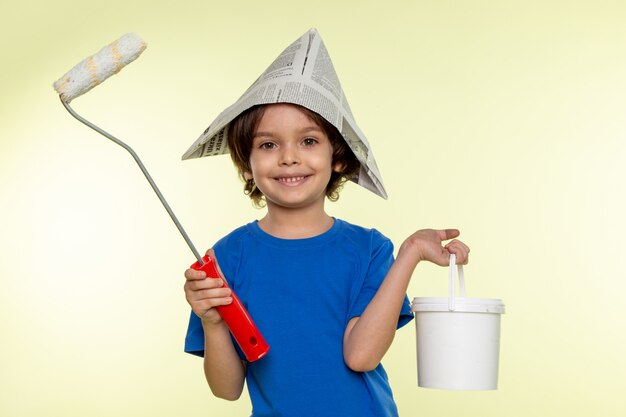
(291,180)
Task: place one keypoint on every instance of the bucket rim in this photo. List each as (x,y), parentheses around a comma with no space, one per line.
(462,304)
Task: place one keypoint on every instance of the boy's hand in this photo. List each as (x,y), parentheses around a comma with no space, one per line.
(203,294)
(427,245)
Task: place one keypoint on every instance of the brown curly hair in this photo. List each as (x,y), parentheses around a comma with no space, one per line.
(241,133)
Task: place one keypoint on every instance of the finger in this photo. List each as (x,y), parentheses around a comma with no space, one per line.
(216,302)
(459,249)
(210,294)
(462,257)
(194,274)
(205,299)
(447,234)
(211,254)
(217,293)
(204,284)
(457,243)
(201,307)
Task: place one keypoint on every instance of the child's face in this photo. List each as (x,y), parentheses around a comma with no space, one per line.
(291,158)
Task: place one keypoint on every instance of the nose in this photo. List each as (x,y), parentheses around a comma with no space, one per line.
(289,156)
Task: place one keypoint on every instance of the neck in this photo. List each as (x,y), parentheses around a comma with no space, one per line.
(300,223)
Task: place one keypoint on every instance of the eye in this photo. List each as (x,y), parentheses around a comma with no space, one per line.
(267,146)
(309,141)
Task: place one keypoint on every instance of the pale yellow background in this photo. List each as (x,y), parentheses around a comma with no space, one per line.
(506,119)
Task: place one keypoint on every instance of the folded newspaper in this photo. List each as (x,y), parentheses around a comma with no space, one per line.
(302,74)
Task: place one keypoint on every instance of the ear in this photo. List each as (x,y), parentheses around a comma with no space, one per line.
(247,175)
(339,167)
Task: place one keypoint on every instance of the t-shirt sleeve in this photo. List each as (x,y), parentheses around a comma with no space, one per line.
(194,341)
(380,262)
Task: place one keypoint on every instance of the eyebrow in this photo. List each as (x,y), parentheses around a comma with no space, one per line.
(313,128)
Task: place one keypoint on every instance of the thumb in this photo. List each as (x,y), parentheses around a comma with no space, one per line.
(447,234)
(211,254)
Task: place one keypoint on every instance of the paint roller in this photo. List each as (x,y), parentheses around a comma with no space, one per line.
(88,74)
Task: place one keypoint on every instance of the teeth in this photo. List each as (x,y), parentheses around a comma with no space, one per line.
(291,179)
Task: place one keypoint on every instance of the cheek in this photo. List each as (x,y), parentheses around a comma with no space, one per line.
(328,160)
(259,164)
(322,157)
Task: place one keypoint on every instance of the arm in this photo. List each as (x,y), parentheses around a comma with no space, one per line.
(368,337)
(223,369)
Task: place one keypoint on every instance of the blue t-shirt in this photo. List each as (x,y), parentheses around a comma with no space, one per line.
(301,293)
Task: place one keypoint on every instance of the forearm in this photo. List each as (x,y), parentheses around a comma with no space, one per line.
(368,337)
(224,370)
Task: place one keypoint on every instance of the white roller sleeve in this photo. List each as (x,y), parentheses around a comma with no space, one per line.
(95,69)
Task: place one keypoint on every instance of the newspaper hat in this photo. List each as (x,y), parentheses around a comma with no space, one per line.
(302,74)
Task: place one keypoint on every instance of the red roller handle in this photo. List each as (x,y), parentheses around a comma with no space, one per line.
(237,319)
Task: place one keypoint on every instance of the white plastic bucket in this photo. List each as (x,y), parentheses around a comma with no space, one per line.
(458,339)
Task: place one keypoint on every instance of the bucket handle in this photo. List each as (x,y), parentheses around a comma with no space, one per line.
(452,284)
